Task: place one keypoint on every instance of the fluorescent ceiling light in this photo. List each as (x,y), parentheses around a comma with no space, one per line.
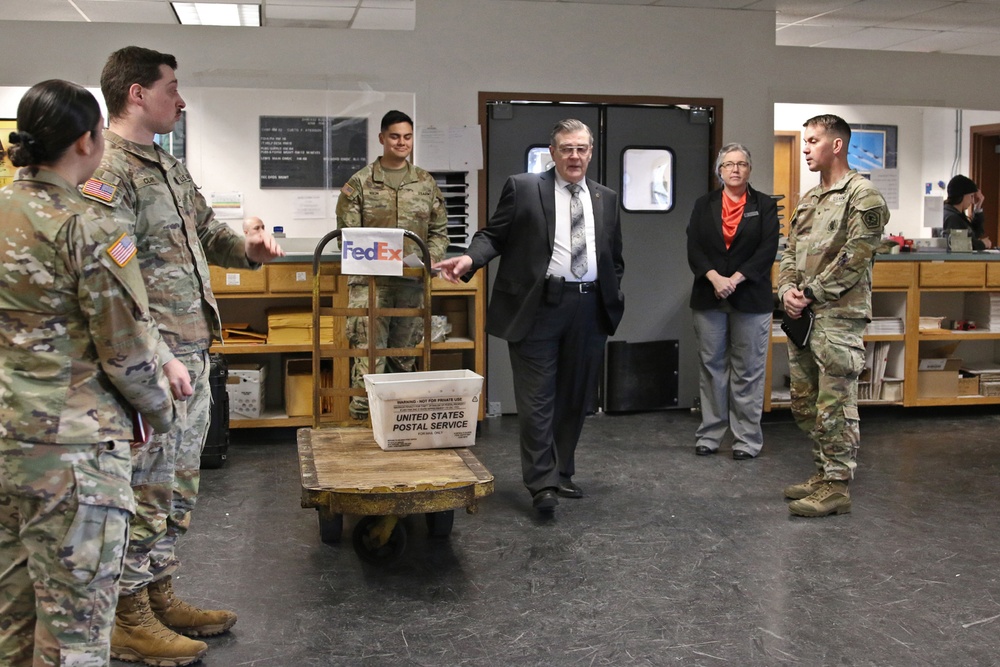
(211,13)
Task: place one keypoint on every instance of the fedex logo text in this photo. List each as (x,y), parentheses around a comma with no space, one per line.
(377,251)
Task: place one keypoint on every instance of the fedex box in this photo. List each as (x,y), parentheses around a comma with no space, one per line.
(245,387)
(424,410)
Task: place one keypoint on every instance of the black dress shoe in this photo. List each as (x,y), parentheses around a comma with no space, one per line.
(567,489)
(702,450)
(545,500)
(741,455)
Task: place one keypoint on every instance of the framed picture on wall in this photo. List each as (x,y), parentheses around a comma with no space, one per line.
(872,147)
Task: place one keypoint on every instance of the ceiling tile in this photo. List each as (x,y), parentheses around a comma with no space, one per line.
(806,35)
(944,42)
(303,12)
(127,11)
(869,38)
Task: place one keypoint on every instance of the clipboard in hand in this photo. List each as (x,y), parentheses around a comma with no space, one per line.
(798,330)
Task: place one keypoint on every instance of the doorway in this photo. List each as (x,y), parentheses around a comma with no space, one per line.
(675,138)
(984,142)
(786,174)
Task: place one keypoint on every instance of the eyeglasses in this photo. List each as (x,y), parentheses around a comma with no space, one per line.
(569,150)
(730,165)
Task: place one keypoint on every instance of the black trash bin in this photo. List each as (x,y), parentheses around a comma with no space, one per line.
(213,455)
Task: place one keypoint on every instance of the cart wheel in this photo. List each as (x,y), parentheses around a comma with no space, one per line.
(331,526)
(379,540)
(439,523)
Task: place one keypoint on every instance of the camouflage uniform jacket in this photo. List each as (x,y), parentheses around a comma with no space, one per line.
(832,244)
(156,201)
(418,205)
(77,342)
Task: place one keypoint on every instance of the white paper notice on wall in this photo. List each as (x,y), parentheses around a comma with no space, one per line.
(887,182)
(933,211)
(308,206)
(450,148)
(227,205)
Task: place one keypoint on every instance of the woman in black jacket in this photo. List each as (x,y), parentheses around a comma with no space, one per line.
(732,244)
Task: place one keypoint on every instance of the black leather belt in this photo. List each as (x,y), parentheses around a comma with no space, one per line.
(582,288)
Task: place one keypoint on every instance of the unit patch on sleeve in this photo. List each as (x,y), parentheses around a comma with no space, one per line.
(872,219)
(99,189)
(122,250)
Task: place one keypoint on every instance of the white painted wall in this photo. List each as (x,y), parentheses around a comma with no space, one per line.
(461,47)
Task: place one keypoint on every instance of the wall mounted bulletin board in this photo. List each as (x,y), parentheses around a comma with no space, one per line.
(224,141)
(872,147)
(311,151)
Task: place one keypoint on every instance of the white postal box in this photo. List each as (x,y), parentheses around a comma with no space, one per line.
(424,410)
(246,390)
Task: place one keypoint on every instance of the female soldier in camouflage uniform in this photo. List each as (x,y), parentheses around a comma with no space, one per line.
(77,358)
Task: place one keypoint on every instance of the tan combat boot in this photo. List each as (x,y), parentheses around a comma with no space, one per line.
(183,617)
(831,497)
(139,637)
(804,489)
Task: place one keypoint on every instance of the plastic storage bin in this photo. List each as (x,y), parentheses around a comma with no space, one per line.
(424,410)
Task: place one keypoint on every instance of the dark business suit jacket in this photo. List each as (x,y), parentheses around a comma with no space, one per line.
(752,251)
(522,233)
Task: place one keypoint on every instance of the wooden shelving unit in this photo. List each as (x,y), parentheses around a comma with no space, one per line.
(908,287)
(245,296)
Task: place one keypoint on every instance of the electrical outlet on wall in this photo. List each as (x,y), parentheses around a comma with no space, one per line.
(493,410)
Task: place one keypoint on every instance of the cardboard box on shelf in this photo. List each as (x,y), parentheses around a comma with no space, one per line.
(298,387)
(938,378)
(245,387)
(968,386)
(293,326)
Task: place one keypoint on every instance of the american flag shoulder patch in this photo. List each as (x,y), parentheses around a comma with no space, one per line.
(122,250)
(99,189)
(347,189)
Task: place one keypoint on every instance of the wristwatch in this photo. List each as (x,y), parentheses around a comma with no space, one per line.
(808,293)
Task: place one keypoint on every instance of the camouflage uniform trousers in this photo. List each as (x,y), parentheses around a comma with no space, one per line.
(165,476)
(389,331)
(824,378)
(64,512)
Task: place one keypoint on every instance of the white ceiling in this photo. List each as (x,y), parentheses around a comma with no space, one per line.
(970,27)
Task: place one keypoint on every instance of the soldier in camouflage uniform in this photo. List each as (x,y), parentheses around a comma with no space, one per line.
(152,195)
(827,266)
(78,357)
(391,192)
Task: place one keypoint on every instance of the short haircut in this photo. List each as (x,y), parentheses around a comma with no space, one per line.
(132,64)
(568,125)
(835,125)
(393,117)
(730,148)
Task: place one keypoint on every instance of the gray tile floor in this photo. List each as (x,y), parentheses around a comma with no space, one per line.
(670,559)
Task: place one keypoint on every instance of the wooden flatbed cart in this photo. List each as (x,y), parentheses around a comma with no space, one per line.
(344,471)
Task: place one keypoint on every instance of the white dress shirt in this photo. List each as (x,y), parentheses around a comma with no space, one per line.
(559,264)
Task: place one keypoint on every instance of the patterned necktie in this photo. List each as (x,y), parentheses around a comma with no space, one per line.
(577,233)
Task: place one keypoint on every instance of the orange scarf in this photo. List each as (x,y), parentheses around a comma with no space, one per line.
(732,213)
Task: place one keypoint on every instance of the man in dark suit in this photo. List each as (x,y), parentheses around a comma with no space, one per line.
(556,298)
